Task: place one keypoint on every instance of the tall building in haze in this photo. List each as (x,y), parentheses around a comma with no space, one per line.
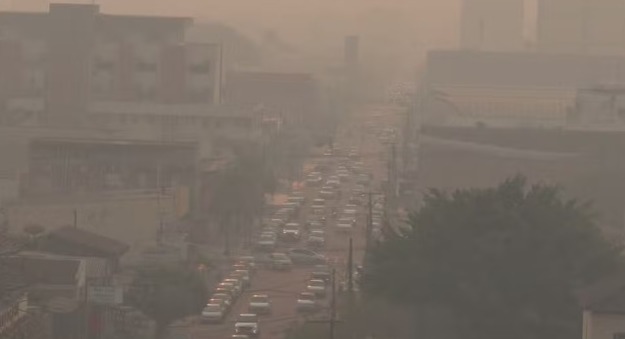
(492,25)
(581,27)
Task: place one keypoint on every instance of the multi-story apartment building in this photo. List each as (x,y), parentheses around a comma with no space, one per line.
(72,60)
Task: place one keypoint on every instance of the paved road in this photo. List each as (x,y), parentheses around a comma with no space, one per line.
(283,287)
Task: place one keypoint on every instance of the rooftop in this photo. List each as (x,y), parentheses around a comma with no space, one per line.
(21,271)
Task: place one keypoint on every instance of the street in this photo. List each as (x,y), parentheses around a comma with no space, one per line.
(284,287)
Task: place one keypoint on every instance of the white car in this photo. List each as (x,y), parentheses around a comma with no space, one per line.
(248,324)
(213,313)
(319,203)
(260,304)
(317,286)
(345,225)
(306,302)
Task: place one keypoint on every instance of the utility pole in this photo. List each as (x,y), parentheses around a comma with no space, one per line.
(350,271)
(369,223)
(333,305)
(159,188)
(75,214)
(332,321)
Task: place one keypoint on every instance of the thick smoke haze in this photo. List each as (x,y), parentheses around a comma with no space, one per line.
(393,32)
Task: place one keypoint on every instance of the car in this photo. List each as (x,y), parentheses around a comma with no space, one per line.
(249,260)
(350,212)
(277,222)
(244,275)
(280,261)
(267,242)
(318,210)
(302,256)
(292,231)
(298,199)
(334,182)
(248,324)
(243,266)
(319,202)
(317,286)
(354,200)
(260,304)
(226,298)
(213,313)
(315,225)
(316,238)
(227,291)
(237,281)
(327,194)
(306,302)
(344,225)
(220,302)
(233,287)
(343,175)
(321,272)
(314,181)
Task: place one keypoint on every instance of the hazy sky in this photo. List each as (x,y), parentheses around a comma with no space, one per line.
(432,21)
(392,31)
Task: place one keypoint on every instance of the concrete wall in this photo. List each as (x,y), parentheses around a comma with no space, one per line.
(602,326)
(588,166)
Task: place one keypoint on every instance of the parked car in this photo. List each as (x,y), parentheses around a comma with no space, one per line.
(317,286)
(249,260)
(248,324)
(227,291)
(225,297)
(302,256)
(231,287)
(213,313)
(236,281)
(244,275)
(260,304)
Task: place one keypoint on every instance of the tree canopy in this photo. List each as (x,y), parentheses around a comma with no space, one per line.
(504,261)
(167,294)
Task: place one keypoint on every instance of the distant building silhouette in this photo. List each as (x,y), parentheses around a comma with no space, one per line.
(581,27)
(492,25)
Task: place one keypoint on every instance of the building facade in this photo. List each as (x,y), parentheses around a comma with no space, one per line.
(60,64)
(492,25)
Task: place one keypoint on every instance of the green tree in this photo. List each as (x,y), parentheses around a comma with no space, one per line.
(240,192)
(503,261)
(167,294)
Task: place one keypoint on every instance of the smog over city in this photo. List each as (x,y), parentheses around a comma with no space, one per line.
(290,169)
